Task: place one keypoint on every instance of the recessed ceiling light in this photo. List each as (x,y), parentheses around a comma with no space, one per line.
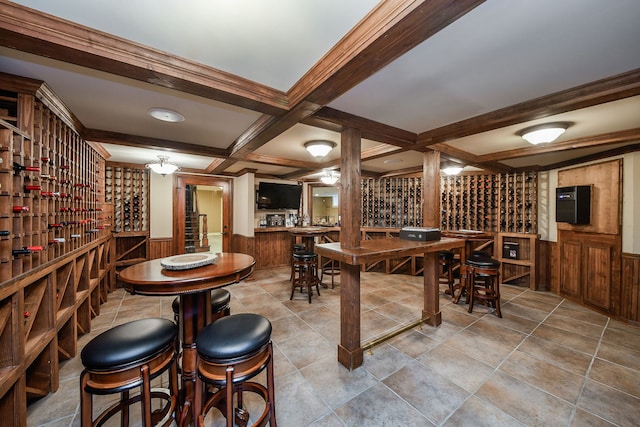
(166,115)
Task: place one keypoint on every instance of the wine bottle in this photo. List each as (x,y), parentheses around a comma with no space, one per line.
(18,252)
(32,188)
(4,233)
(17,167)
(20,209)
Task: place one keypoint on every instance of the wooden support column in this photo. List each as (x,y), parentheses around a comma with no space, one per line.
(431,218)
(350,353)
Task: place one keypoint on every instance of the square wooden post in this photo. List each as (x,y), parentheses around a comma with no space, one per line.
(350,353)
(431,218)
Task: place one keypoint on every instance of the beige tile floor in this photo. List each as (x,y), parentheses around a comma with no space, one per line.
(547,362)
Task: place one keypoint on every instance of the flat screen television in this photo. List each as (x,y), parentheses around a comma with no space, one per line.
(276,196)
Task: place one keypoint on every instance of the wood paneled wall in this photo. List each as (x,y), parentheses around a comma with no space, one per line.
(161,248)
(630,292)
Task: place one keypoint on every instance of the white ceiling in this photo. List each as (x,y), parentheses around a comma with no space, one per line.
(501,53)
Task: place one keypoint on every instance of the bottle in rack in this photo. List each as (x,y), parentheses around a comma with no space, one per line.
(17,168)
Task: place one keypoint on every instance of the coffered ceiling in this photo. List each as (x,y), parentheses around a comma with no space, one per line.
(255,80)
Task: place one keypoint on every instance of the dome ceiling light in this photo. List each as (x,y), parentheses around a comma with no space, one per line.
(543,133)
(319,148)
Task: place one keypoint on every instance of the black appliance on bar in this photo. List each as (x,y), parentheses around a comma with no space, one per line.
(420,234)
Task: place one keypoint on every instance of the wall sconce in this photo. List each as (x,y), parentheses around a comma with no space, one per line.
(544,133)
(319,148)
(162,167)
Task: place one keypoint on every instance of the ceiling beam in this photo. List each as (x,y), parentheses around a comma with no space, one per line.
(116,138)
(391,29)
(592,157)
(469,159)
(38,33)
(599,92)
(375,131)
(624,136)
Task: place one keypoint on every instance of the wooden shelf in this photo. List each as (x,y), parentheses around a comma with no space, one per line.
(518,255)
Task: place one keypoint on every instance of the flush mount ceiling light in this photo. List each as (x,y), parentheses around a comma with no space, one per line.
(452,169)
(166,115)
(329,178)
(544,133)
(319,148)
(162,167)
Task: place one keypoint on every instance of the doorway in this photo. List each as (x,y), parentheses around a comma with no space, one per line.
(202,220)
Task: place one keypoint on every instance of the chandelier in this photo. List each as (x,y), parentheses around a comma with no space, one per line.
(162,167)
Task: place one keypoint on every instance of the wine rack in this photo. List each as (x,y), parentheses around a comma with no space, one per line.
(391,202)
(492,203)
(127,190)
(56,262)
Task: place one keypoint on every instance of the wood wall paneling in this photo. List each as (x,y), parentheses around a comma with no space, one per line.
(630,288)
(161,248)
(606,199)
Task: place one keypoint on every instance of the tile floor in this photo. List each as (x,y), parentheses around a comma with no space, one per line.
(547,362)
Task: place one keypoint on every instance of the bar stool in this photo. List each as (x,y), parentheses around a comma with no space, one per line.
(447,262)
(296,248)
(128,356)
(231,351)
(305,275)
(220,305)
(482,276)
(330,267)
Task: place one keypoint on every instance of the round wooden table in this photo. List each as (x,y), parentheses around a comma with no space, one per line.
(194,287)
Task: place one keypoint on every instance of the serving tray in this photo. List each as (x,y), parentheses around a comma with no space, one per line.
(188,261)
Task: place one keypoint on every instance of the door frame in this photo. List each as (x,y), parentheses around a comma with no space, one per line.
(179,205)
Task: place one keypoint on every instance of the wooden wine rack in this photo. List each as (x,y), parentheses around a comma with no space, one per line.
(127,189)
(491,203)
(56,262)
(391,202)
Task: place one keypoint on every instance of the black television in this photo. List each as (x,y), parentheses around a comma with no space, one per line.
(276,196)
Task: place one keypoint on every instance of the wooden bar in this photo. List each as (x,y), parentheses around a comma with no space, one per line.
(350,349)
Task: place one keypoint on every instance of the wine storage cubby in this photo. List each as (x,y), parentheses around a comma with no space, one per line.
(56,257)
(391,202)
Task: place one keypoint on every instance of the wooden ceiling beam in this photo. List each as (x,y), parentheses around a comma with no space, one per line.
(592,157)
(116,138)
(391,29)
(599,92)
(624,136)
(38,33)
(370,129)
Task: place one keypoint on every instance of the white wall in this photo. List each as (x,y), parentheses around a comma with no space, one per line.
(244,205)
(161,205)
(548,182)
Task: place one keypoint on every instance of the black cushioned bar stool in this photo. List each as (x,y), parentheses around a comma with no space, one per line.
(231,351)
(220,305)
(482,277)
(305,269)
(125,357)
(296,248)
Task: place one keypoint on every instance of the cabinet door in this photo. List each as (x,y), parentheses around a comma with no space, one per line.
(597,283)
(570,268)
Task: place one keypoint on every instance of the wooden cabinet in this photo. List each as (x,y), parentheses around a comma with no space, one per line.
(589,269)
